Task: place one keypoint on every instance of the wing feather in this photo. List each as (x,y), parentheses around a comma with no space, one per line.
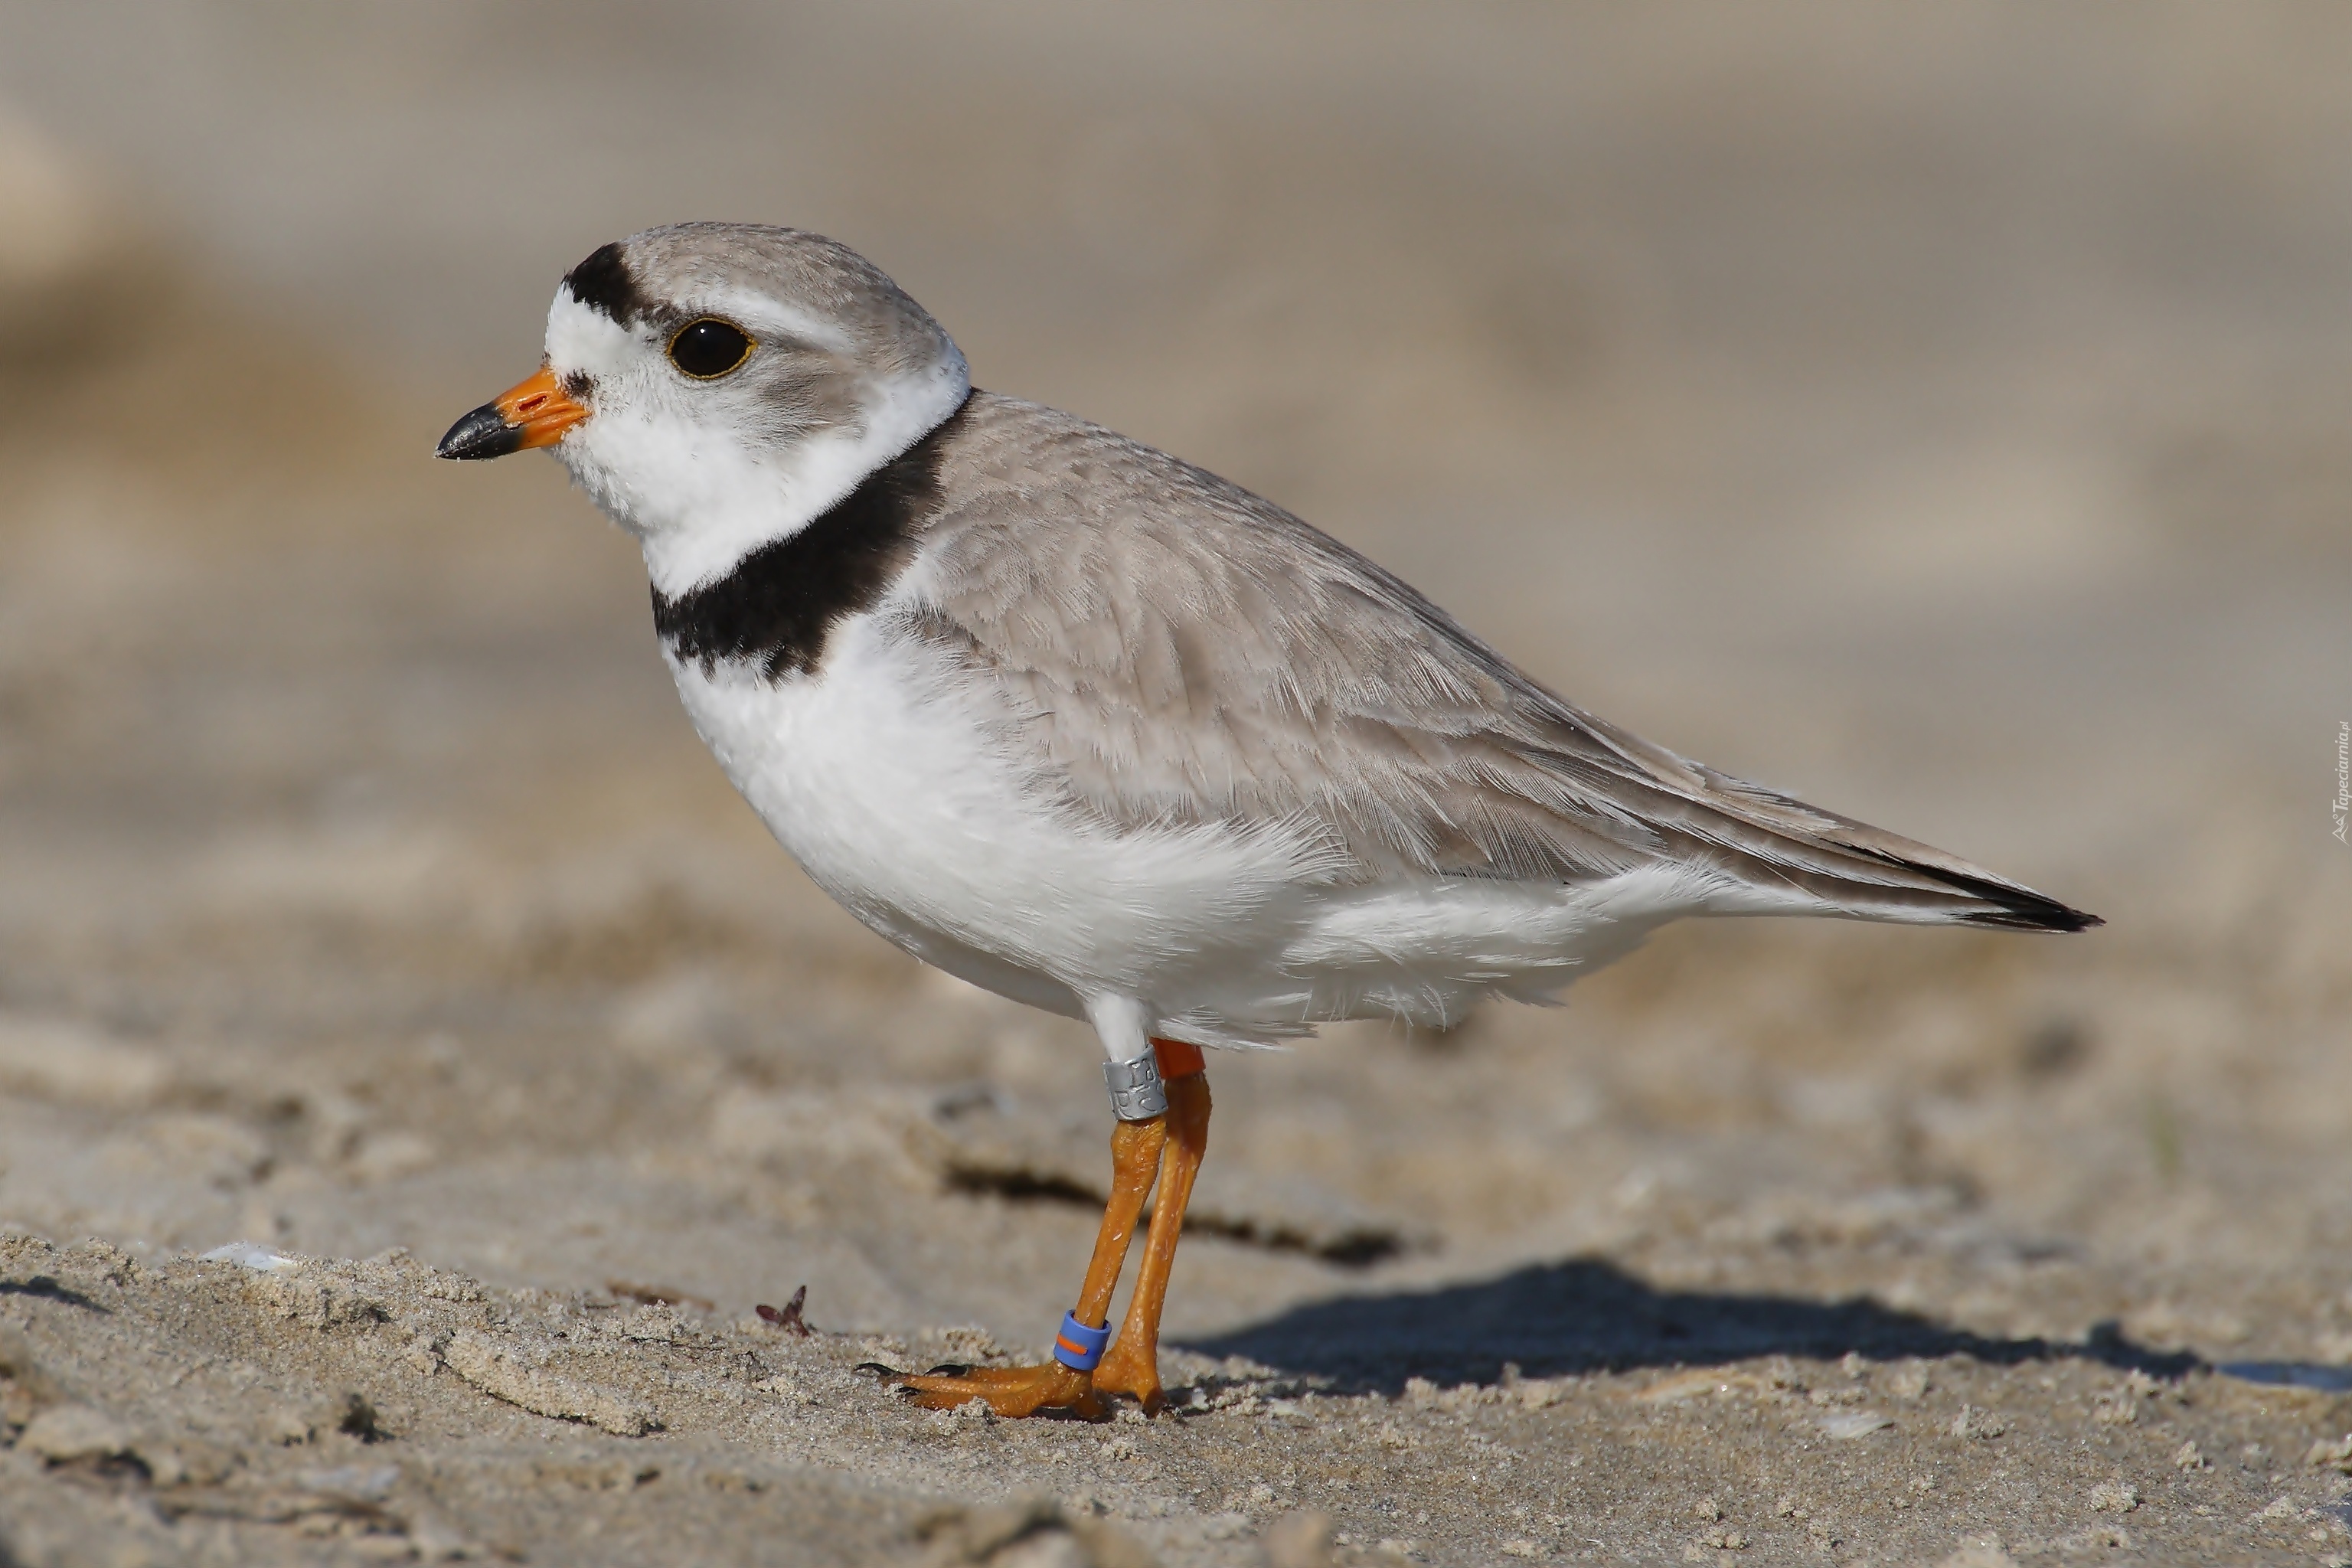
(1177,649)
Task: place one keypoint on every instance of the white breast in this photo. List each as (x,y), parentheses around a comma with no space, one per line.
(882,777)
(888,775)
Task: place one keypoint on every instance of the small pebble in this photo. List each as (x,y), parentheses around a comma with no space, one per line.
(2114,1497)
(68,1432)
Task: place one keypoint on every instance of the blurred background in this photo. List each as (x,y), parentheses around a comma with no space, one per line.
(1937,412)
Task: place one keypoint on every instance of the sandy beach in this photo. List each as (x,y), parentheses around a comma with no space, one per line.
(417,1067)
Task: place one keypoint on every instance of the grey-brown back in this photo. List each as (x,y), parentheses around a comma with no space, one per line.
(1178,649)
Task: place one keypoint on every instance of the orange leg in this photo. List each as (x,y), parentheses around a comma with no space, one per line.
(1131,1365)
(1135,1149)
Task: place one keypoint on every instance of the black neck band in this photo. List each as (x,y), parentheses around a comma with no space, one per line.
(780,602)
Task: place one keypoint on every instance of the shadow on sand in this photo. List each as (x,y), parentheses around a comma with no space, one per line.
(1590,1316)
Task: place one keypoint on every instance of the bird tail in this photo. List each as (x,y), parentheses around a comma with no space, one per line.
(1772,845)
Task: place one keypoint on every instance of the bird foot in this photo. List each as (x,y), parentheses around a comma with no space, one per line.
(1009,1391)
(1135,1374)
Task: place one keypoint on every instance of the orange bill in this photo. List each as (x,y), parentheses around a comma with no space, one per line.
(535,414)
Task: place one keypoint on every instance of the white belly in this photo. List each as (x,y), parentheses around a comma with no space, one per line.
(882,777)
(882,780)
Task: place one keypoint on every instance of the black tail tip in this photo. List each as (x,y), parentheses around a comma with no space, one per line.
(2043,914)
(2020,909)
(2010,907)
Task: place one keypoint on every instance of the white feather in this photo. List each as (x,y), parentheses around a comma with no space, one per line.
(882,776)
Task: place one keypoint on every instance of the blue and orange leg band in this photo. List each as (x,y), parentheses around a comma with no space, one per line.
(1079,1347)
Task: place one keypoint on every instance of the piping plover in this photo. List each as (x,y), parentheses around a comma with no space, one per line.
(1102,733)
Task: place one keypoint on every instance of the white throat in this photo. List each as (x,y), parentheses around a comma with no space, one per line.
(755,504)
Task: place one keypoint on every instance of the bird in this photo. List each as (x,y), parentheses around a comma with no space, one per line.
(1093,728)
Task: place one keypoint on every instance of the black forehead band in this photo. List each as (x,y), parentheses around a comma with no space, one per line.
(604,282)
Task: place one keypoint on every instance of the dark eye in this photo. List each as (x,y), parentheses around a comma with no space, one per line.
(709,348)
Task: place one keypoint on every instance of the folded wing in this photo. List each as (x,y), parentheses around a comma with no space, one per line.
(1186,651)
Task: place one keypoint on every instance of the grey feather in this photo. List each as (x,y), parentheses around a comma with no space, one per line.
(1175,649)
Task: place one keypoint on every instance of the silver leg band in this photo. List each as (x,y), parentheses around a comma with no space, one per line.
(1136,1092)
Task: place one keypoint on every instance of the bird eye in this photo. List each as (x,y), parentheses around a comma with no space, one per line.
(709,348)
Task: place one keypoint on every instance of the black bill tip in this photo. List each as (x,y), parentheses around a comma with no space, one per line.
(484,433)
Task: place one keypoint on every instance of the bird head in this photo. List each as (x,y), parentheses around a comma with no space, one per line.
(716,387)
